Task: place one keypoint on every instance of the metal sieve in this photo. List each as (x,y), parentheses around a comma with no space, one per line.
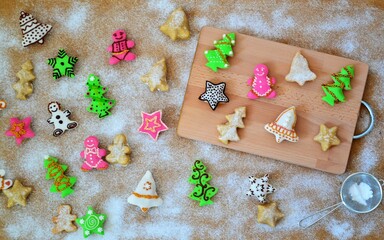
(346,200)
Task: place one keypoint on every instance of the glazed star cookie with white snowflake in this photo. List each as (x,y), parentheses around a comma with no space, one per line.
(92,222)
(214,94)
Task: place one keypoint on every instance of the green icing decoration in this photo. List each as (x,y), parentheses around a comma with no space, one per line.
(62,65)
(56,171)
(99,104)
(341,81)
(92,222)
(203,192)
(218,58)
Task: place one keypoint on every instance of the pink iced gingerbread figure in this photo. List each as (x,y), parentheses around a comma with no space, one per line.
(120,48)
(261,83)
(92,155)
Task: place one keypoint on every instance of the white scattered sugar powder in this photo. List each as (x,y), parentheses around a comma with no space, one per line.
(295,195)
(341,230)
(76,18)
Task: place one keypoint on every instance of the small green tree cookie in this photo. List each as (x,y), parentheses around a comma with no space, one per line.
(218,58)
(203,192)
(99,104)
(341,81)
(56,171)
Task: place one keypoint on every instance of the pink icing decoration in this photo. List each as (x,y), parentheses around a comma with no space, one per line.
(152,124)
(120,48)
(93,155)
(261,83)
(20,129)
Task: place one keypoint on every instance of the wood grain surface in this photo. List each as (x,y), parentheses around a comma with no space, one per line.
(198,121)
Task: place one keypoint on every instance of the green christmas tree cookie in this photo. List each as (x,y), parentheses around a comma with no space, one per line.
(56,171)
(203,192)
(341,81)
(100,104)
(62,65)
(218,58)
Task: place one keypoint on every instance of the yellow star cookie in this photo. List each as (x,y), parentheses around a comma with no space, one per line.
(17,194)
(269,214)
(327,137)
(63,222)
(119,151)
(156,77)
(228,131)
(176,26)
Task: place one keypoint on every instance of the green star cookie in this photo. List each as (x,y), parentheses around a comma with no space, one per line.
(62,65)
(92,222)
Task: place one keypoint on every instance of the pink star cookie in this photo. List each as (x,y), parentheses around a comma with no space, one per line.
(20,129)
(152,124)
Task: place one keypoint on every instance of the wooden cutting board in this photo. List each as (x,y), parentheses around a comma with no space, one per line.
(198,121)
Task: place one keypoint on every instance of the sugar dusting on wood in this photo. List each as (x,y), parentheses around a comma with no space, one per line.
(85,30)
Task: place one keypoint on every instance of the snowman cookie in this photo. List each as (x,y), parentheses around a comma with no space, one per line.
(60,119)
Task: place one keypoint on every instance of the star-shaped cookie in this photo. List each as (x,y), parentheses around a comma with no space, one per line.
(20,129)
(214,94)
(269,214)
(17,194)
(63,222)
(156,78)
(62,65)
(260,188)
(152,124)
(92,222)
(228,131)
(176,26)
(327,137)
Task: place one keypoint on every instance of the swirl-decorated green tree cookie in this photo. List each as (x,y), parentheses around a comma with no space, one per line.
(203,191)
(56,171)
(341,81)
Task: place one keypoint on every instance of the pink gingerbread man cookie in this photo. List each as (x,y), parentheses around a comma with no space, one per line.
(93,155)
(120,48)
(261,83)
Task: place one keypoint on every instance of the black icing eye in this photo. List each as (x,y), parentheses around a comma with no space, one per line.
(114,34)
(121,33)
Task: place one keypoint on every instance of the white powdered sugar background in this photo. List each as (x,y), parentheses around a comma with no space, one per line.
(84,29)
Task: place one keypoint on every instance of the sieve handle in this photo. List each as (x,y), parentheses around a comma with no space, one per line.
(327,211)
(382,182)
(371,123)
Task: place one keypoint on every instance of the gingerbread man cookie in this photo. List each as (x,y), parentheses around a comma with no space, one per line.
(120,48)
(93,155)
(63,221)
(261,83)
(60,119)
(119,151)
